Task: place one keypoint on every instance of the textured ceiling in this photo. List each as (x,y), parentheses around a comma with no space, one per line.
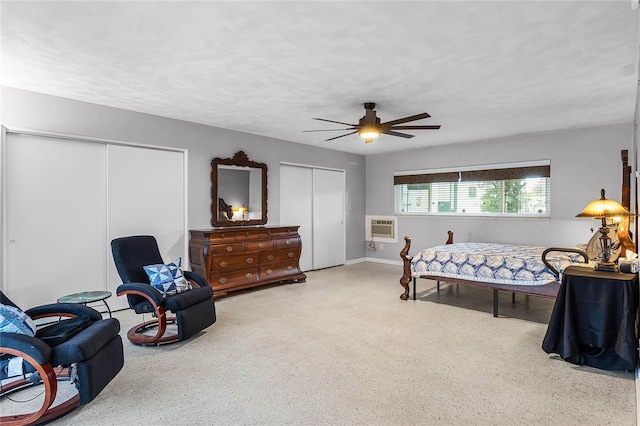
(482,70)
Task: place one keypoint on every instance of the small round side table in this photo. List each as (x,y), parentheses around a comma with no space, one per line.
(85,297)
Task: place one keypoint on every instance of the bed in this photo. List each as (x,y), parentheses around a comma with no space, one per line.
(505,267)
(499,267)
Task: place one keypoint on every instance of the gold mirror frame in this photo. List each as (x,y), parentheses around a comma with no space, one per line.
(240,160)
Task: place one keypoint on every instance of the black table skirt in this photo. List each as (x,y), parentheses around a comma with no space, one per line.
(594,319)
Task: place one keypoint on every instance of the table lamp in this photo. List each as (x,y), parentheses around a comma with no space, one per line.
(604,209)
(241,210)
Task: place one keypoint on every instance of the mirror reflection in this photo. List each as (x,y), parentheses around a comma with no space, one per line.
(239,193)
(240,188)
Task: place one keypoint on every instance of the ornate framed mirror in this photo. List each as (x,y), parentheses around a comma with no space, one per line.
(238,191)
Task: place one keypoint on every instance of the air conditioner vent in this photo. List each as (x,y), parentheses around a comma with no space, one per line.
(381,228)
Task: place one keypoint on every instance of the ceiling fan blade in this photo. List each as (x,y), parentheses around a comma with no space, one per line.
(328,130)
(341,136)
(392,133)
(434,127)
(337,122)
(406,119)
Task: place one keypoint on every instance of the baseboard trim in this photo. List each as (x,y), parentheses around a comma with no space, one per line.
(374,260)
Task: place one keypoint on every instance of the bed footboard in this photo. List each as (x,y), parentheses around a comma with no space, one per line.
(406,268)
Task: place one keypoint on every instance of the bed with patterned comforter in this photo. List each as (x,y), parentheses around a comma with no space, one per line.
(491,262)
(500,267)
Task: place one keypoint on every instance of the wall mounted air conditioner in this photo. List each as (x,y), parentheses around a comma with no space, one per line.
(381,228)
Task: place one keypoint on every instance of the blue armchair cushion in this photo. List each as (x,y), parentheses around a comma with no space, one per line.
(187,299)
(86,343)
(169,278)
(62,331)
(13,320)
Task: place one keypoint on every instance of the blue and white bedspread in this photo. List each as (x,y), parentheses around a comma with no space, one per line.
(489,262)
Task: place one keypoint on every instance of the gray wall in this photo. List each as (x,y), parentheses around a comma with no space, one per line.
(35,111)
(582,162)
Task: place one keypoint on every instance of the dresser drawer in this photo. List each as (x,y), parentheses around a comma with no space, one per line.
(279,271)
(287,242)
(234,262)
(284,255)
(225,236)
(244,277)
(230,248)
(259,245)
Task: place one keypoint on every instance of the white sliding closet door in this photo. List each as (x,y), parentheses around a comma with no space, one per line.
(146,196)
(328,218)
(66,199)
(314,199)
(55,218)
(296,207)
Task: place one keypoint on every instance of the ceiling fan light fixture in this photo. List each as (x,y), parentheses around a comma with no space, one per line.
(369,132)
(370,126)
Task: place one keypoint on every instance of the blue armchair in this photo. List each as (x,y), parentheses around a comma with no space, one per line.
(193,309)
(79,346)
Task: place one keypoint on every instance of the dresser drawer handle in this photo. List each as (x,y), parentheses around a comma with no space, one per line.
(249,259)
(269,272)
(248,275)
(260,245)
(290,254)
(270,257)
(229,248)
(222,280)
(288,243)
(223,264)
(289,268)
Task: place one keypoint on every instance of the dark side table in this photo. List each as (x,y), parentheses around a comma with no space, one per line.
(593,321)
(85,297)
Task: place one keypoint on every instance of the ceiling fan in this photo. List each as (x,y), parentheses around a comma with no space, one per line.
(369,127)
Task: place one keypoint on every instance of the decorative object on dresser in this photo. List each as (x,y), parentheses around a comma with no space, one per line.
(244,257)
(238,191)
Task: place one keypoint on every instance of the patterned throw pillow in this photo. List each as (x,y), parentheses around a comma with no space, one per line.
(13,320)
(168,279)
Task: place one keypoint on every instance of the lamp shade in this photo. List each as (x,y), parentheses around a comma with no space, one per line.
(602,208)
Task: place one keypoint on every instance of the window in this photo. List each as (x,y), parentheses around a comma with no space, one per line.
(513,190)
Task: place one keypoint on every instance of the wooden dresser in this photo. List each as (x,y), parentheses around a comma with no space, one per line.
(246,256)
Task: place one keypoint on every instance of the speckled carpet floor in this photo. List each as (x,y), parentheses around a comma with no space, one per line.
(343,349)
